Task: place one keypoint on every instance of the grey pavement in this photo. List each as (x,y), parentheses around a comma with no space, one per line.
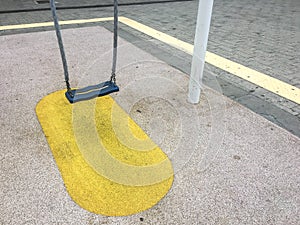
(33,5)
(242,169)
(263,35)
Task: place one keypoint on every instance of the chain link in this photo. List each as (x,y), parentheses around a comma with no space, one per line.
(113,78)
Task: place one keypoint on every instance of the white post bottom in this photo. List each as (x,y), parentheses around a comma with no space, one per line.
(200,44)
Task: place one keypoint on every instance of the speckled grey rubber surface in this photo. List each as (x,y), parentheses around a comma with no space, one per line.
(232,166)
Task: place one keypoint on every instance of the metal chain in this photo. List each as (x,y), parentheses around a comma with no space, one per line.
(113,78)
(62,51)
(115,44)
(60,44)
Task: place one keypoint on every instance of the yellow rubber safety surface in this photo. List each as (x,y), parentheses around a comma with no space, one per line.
(100,172)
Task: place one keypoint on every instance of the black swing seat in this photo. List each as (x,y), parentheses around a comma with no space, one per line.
(91,92)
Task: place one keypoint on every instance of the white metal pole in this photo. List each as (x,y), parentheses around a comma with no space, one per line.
(200,44)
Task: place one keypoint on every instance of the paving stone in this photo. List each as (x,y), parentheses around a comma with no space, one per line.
(23,5)
(272,113)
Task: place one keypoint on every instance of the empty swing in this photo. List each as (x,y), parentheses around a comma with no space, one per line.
(93,91)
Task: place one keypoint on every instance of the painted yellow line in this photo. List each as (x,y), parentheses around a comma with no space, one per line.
(267,82)
(181,45)
(91,156)
(49,24)
(260,79)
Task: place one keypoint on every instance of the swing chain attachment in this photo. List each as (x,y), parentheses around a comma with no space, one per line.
(113,78)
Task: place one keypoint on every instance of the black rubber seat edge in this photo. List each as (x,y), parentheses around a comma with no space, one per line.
(91,92)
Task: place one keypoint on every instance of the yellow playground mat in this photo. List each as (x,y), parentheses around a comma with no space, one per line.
(108,164)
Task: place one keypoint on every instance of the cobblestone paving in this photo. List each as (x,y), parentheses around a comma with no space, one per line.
(21,5)
(260,34)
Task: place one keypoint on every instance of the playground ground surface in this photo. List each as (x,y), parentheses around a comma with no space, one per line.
(231,166)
